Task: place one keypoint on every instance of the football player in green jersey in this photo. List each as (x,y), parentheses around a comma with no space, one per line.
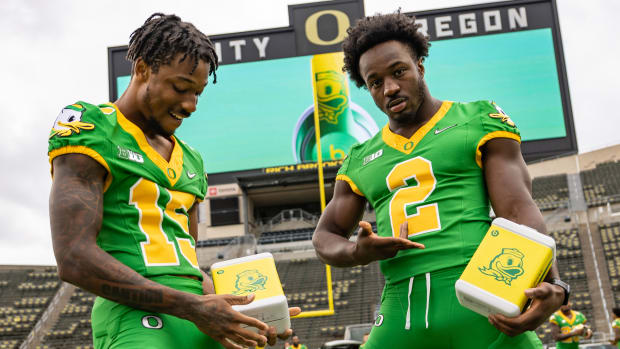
(429,175)
(124,198)
(297,344)
(567,326)
(616,327)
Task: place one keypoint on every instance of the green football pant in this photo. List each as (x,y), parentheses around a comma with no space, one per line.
(427,314)
(119,326)
(560,345)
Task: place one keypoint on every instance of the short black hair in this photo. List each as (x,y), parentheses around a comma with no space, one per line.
(373,30)
(616,311)
(162,36)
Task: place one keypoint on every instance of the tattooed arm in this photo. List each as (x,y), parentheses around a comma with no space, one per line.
(510,190)
(76,211)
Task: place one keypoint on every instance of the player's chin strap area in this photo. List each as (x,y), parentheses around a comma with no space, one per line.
(428,299)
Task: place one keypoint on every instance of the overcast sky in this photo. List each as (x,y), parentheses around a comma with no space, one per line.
(55,53)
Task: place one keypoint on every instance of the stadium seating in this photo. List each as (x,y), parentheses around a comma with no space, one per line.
(214,242)
(265,238)
(273,237)
(25,294)
(73,327)
(572,270)
(286,236)
(610,237)
(550,192)
(602,184)
(356,295)
(292,235)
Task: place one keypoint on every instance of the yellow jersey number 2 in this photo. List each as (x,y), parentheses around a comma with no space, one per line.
(426,218)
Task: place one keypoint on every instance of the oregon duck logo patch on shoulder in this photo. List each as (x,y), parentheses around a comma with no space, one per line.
(249,281)
(501,115)
(506,266)
(69,121)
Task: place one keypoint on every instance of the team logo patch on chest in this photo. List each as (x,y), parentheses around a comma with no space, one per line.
(69,121)
(249,281)
(506,266)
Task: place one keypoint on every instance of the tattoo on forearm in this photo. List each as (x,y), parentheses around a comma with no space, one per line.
(132,295)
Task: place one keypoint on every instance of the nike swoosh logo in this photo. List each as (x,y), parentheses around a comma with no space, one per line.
(443,129)
(191,175)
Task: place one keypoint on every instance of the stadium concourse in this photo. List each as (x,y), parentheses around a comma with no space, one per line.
(579,196)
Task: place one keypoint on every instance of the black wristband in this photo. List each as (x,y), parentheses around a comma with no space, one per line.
(565,286)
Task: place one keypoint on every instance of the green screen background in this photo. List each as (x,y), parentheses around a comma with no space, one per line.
(246,120)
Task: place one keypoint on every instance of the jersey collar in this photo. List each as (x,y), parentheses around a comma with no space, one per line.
(172,169)
(407,145)
(570,320)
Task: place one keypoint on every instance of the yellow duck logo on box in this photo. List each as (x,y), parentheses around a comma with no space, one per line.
(249,281)
(506,266)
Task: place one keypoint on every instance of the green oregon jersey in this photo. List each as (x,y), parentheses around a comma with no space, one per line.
(616,324)
(567,324)
(434,181)
(146,198)
(300,346)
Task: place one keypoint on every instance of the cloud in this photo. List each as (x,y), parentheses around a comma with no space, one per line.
(25,237)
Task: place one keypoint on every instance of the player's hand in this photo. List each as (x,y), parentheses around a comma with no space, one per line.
(370,247)
(546,299)
(271,334)
(214,315)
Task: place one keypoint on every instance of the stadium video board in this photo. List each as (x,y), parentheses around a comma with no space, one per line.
(259,115)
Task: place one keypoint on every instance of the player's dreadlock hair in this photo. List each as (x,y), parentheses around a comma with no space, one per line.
(616,311)
(162,36)
(373,30)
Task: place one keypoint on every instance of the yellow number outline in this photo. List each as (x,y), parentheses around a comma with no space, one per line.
(187,249)
(426,218)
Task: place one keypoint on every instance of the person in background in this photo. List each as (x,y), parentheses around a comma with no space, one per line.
(297,344)
(616,327)
(567,325)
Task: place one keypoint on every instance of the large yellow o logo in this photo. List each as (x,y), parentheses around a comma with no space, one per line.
(312,27)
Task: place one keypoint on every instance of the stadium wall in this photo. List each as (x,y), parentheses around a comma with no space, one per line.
(574,163)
